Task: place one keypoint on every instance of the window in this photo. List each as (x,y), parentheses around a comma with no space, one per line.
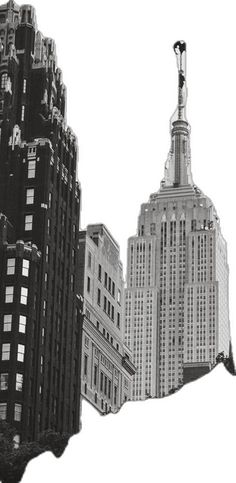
(24,86)
(119,296)
(22,324)
(17,412)
(105,385)
(109,389)
(72,282)
(115,395)
(99,297)
(95,375)
(22,113)
(89,259)
(30,196)
(41,364)
(99,272)
(25,268)
(28,222)
(85,365)
(3,411)
(105,280)
(24,295)
(88,284)
(11,262)
(19,382)
(16,440)
(44,308)
(31,169)
(104,303)
(3,382)
(4,80)
(101,382)
(9,293)
(49,226)
(47,254)
(7,321)
(118,320)
(6,348)
(20,352)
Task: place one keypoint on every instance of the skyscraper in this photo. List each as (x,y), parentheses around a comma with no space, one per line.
(177,275)
(40,306)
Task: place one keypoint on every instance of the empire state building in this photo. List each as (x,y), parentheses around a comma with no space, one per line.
(176,314)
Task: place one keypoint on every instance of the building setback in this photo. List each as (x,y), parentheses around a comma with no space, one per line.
(107,369)
(176,316)
(40,305)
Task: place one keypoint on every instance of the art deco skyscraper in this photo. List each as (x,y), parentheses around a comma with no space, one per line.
(177,274)
(40,307)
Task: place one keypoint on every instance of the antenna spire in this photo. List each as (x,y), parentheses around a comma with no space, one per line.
(178,165)
(180,52)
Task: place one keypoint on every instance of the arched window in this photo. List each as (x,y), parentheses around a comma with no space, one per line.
(4,80)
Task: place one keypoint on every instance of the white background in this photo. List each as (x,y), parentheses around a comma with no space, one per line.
(120,71)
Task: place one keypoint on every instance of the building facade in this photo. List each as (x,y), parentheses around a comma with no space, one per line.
(107,369)
(40,305)
(176,313)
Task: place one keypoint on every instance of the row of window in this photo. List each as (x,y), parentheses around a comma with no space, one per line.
(11,266)
(108,336)
(105,384)
(6,352)
(17,411)
(109,284)
(9,295)
(7,323)
(4,377)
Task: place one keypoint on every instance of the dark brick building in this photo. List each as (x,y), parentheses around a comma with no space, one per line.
(40,306)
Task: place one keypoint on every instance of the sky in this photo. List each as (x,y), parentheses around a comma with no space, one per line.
(120,71)
(185,438)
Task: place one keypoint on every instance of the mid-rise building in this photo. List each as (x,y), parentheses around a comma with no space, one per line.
(177,274)
(107,369)
(40,305)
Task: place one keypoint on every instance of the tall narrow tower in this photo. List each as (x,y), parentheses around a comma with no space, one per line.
(40,307)
(177,272)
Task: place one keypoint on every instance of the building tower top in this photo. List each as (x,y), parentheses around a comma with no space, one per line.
(178,168)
